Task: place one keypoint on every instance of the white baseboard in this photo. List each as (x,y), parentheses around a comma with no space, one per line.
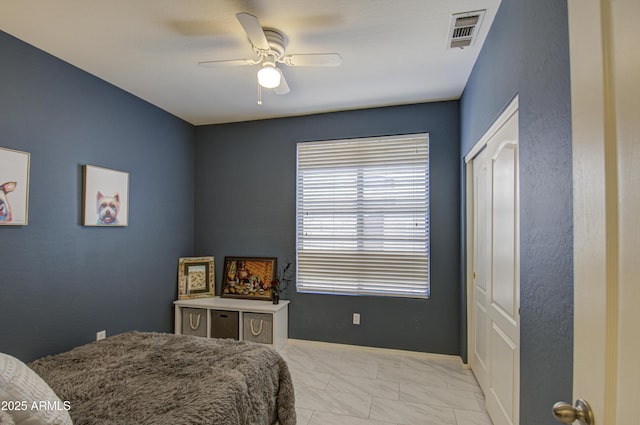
(390,351)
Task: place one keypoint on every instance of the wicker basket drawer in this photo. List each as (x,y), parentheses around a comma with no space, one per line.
(258,327)
(224,324)
(194,321)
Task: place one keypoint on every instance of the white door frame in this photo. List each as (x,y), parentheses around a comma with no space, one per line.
(605,102)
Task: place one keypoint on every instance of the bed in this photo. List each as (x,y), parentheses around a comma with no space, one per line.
(154,378)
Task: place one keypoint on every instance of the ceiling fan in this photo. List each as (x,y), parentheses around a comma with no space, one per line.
(270,45)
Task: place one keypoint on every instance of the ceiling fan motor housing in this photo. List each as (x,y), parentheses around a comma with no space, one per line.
(277,41)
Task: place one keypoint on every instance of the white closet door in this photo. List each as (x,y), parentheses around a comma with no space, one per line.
(495,316)
(481,269)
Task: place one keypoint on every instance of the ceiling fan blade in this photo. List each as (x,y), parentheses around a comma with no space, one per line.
(253,29)
(283,88)
(317,59)
(223,63)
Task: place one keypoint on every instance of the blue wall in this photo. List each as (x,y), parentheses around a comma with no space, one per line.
(245,205)
(527,53)
(60,282)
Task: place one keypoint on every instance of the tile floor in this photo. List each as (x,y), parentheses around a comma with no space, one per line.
(348,385)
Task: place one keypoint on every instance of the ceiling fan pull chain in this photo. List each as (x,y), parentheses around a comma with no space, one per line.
(259,95)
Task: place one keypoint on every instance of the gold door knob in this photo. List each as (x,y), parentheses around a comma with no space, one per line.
(568,414)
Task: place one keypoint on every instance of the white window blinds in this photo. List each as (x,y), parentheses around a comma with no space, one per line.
(363,216)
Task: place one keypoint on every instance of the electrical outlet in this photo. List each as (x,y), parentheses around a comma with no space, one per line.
(101,335)
(356,318)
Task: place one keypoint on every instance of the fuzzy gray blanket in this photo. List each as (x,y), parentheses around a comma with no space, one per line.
(153,378)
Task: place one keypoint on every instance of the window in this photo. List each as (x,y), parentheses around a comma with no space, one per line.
(362,216)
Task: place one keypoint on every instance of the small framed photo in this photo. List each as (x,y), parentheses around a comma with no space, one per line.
(105,199)
(14,187)
(196,277)
(248,277)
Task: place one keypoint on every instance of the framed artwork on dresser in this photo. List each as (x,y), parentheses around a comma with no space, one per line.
(196,277)
(248,277)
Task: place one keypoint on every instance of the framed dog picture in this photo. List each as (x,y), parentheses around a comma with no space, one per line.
(196,277)
(248,277)
(105,199)
(14,187)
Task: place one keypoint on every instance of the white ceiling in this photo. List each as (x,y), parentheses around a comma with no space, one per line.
(393,52)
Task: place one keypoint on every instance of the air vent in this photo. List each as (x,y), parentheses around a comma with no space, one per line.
(464,29)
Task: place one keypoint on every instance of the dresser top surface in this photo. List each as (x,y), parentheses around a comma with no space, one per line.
(233,304)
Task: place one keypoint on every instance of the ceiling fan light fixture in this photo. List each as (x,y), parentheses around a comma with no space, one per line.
(268,76)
